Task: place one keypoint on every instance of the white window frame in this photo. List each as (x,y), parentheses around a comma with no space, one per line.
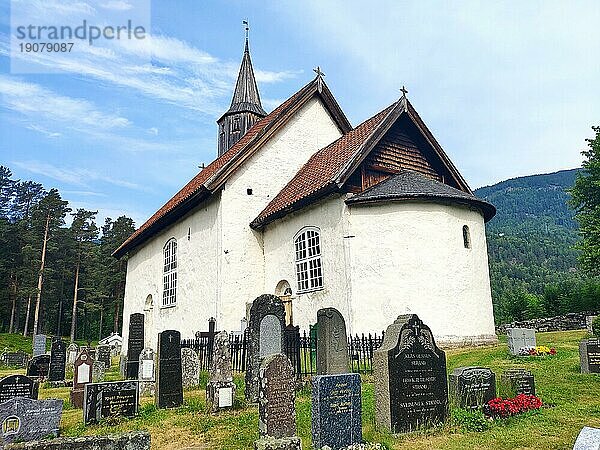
(169,295)
(308,262)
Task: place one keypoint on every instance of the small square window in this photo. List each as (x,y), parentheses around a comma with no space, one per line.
(249,191)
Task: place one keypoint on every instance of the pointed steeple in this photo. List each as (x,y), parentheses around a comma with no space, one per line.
(245,109)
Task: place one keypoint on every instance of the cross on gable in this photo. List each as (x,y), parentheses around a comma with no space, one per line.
(318,72)
(404,91)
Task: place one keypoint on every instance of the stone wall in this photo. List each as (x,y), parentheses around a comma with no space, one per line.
(571,321)
(137,440)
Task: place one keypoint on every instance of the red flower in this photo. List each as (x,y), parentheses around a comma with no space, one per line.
(499,407)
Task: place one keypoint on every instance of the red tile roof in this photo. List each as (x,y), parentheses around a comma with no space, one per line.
(321,170)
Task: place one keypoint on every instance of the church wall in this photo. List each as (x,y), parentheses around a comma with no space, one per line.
(196,277)
(241,270)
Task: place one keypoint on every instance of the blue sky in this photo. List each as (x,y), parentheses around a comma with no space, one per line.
(508,88)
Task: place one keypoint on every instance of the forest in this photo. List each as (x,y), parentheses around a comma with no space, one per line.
(55,278)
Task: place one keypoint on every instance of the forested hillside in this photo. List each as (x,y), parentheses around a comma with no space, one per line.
(531,243)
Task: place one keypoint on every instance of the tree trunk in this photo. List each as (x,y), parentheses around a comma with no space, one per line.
(38,300)
(101,320)
(74,315)
(13,294)
(27,315)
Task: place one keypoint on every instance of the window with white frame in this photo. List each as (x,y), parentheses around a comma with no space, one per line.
(309,272)
(169,297)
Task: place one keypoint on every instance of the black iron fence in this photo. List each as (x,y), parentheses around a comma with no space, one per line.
(300,348)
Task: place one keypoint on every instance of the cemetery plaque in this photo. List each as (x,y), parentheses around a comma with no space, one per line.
(113,399)
(589,355)
(72,352)
(336,411)
(39,344)
(18,386)
(332,343)
(103,355)
(169,389)
(15,359)
(263,335)
(25,419)
(588,439)
(135,344)
(410,377)
(220,389)
(146,372)
(518,338)
(58,360)
(472,387)
(190,368)
(82,375)
(517,381)
(38,366)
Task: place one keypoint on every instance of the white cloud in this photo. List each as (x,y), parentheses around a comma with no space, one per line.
(153,131)
(117,5)
(42,130)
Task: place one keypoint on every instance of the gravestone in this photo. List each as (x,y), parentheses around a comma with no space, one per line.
(276,409)
(98,371)
(18,386)
(58,360)
(39,344)
(220,389)
(517,381)
(190,368)
(588,439)
(103,355)
(169,389)
(264,336)
(471,387)
(332,343)
(72,352)
(25,419)
(82,375)
(15,359)
(336,411)
(589,355)
(135,344)
(588,323)
(410,377)
(113,399)
(146,372)
(38,366)
(518,338)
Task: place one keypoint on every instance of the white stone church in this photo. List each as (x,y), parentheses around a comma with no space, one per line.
(374,220)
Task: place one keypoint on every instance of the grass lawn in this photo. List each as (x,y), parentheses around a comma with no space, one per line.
(573,399)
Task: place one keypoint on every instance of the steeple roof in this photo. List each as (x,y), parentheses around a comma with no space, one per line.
(246,96)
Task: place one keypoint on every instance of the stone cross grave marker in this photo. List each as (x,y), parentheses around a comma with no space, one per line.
(135,344)
(190,368)
(518,338)
(58,360)
(82,375)
(18,386)
(517,381)
(146,372)
(112,399)
(276,408)
(25,419)
(264,336)
(169,389)
(220,389)
(38,366)
(588,439)
(471,387)
(332,343)
(72,352)
(589,355)
(39,344)
(410,377)
(103,355)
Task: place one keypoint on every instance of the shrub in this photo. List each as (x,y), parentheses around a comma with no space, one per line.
(469,420)
(596,326)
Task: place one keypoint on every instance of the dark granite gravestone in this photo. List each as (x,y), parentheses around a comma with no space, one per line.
(264,336)
(39,344)
(169,389)
(104,400)
(588,439)
(517,381)
(589,355)
(82,375)
(38,366)
(518,338)
(276,408)
(103,355)
(146,373)
(135,344)
(410,377)
(190,368)
(220,389)
(58,360)
(25,419)
(14,359)
(336,411)
(332,343)
(18,386)
(471,387)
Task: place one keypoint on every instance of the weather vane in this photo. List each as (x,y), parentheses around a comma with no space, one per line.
(245,22)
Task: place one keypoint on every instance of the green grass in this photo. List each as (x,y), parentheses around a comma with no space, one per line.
(574,400)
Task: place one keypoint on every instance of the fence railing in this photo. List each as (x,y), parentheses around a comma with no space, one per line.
(300,348)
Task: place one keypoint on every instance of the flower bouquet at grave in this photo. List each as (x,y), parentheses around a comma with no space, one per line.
(540,350)
(499,408)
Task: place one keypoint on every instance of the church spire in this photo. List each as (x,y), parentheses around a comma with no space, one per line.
(245,108)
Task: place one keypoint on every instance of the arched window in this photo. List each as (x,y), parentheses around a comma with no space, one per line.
(149,303)
(169,296)
(466,236)
(309,273)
